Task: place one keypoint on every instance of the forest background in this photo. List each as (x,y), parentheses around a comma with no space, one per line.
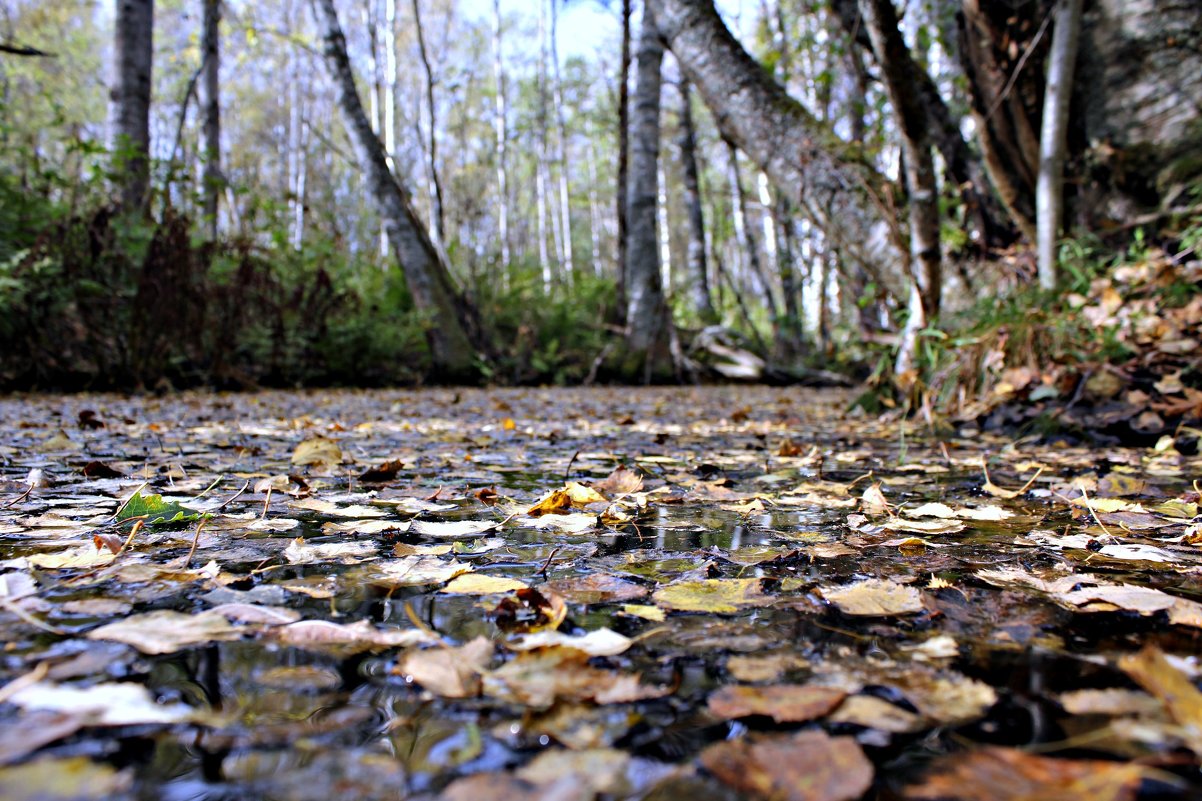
(961,202)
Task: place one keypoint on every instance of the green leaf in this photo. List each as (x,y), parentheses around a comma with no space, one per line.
(154,511)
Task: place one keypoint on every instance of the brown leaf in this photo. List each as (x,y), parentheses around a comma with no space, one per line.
(1152,671)
(95,469)
(1007,774)
(784,703)
(809,766)
(382,473)
(622,481)
(449,672)
(539,678)
(529,610)
(597,588)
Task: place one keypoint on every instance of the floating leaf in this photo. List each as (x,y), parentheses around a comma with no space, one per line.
(875,598)
(317,452)
(1151,670)
(1007,774)
(450,530)
(719,596)
(103,704)
(449,672)
(784,703)
(300,552)
(360,636)
(482,584)
(165,631)
(84,556)
(539,678)
(597,588)
(602,642)
(152,510)
(808,766)
(554,502)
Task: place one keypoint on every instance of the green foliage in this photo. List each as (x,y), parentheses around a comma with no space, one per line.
(541,337)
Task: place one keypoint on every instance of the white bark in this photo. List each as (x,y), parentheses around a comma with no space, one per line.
(565,206)
(499,126)
(210,109)
(1049,189)
(429,280)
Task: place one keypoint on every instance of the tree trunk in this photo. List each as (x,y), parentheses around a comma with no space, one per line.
(1049,190)
(899,73)
(499,124)
(698,270)
(430,283)
(965,167)
(745,231)
(210,109)
(623,160)
(824,176)
(646,314)
(436,201)
(129,106)
(565,204)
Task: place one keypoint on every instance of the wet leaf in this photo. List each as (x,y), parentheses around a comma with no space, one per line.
(152,510)
(622,481)
(103,704)
(300,552)
(74,778)
(482,584)
(876,713)
(166,631)
(414,571)
(451,530)
(352,637)
(808,766)
(602,642)
(541,677)
(718,596)
(449,672)
(84,556)
(554,503)
(784,703)
(317,452)
(597,588)
(875,598)
(581,495)
(1151,670)
(1005,774)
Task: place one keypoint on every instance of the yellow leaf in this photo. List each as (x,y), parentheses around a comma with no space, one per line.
(582,495)
(481,584)
(555,502)
(317,451)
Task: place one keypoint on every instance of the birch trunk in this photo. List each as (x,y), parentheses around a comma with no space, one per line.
(436,199)
(698,270)
(565,206)
(430,283)
(825,177)
(1049,189)
(645,309)
(129,106)
(499,125)
(623,159)
(210,109)
(898,72)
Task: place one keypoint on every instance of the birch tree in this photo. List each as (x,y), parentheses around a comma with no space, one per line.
(646,314)
(210,109)
(825,177)
(129,100)
(430,283)
(1049,188)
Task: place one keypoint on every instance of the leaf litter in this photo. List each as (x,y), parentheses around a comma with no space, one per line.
(598,593)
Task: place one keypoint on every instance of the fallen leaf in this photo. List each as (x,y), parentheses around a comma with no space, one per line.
(61,779)
(719,596)
(1006,774)
(876,713)
(448,672)
(317,452)
(84,556)
(541,677)
(1151,670)
(784,703)
(453,529)
(597,588)
(554,502)
(299,552)
(808,766)
(352,637)
(102,704)
(414,570)
(581,495)
(622,481)
(602,642)
(875,598)
(166,631)
(481,584)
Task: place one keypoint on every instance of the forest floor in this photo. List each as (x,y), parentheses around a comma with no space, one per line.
(713,593)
